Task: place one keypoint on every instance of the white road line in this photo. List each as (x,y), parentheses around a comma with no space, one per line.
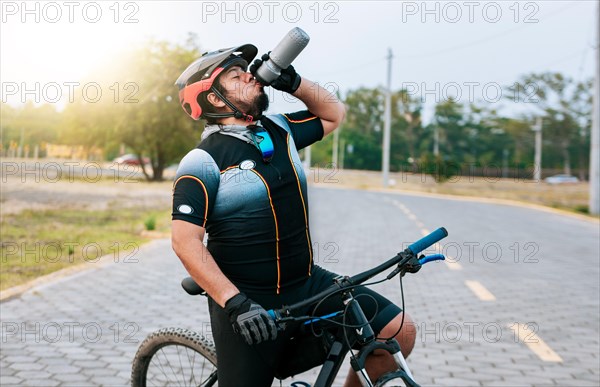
(535,343)
(480,291)
(452,263)
(402,207)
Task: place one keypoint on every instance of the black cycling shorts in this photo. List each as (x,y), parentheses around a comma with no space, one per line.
(240,364)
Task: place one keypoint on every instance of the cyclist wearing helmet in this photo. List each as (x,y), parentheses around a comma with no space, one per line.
(245,186)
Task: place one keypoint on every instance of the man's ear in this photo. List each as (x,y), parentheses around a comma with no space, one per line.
(216,101)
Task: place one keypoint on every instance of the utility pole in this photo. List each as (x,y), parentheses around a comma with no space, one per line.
(307,157)
(594,159)
(436,141)
(387,122)
(334,151)
(21,147)
(537,163)
(505,163)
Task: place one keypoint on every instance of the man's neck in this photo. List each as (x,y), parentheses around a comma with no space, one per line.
(235,121)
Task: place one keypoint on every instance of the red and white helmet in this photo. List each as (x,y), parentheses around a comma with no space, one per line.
(201,74)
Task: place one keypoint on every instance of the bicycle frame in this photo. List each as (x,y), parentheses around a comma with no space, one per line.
(407,262)
(365,337)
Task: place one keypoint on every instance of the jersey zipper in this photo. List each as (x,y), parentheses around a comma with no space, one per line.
(278,172)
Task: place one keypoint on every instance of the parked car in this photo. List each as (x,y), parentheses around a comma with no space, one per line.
(130,159)
(561,179)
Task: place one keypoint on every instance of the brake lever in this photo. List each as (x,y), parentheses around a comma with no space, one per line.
(435,257)
(413,265)
(393,273)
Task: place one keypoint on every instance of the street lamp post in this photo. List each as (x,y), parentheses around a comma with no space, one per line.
(387,123)
(537,163)
(594,201)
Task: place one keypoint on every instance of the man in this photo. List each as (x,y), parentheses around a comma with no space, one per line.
(245,186)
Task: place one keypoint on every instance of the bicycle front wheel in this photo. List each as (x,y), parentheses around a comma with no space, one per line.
(175,357)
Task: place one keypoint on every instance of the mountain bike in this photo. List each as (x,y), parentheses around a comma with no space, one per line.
(176,356)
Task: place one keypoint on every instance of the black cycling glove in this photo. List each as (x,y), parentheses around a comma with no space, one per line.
(250,319)
(288,81)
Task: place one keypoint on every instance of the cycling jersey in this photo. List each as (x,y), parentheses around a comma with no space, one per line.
(254,211)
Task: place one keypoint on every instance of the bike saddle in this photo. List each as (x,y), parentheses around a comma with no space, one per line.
(191,287)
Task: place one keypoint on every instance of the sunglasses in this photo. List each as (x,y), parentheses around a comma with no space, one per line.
(262,140)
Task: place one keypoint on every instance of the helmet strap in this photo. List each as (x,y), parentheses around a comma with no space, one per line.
(237,113)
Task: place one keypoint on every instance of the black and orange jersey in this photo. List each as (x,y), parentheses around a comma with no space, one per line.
(255,212)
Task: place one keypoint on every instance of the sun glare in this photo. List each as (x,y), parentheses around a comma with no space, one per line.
(35,55)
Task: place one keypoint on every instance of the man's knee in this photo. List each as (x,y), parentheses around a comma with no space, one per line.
(407,335)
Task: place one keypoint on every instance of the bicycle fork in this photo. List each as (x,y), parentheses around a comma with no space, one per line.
(366,338)
(392,347)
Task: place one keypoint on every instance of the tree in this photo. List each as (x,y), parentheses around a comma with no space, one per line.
(520,139)
(566,107)
(29,126)
(489,140)
(143,110)
(407,111)
(156,124)
(362,129)
(453,133)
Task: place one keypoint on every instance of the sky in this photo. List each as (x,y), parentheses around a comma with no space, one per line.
(464,49)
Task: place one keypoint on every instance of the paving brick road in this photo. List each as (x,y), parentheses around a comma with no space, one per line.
(542,269)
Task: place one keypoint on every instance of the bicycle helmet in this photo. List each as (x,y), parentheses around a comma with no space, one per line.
(199,77)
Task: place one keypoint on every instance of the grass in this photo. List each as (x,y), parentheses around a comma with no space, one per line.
(35,243)
(150,223)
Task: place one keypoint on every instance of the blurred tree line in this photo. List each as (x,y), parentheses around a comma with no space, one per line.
(471,137)
(139,108)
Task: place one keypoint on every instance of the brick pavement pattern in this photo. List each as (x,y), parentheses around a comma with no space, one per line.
(543,269)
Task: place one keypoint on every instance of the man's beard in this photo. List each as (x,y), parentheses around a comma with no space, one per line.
(258,106)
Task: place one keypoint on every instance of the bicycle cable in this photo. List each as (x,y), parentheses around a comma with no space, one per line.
(342,324)
(403,313)
(341,289)
(352,355)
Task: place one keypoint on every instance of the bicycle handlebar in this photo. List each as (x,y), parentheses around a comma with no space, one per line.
(428,240)
(403,257)
(400,259)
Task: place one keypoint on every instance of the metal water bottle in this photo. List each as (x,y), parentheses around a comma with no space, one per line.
(282,56)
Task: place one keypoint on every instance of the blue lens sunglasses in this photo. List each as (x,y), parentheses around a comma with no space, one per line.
(262,140)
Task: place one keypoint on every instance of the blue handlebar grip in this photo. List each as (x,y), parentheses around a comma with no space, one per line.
(428,240)
(433,257)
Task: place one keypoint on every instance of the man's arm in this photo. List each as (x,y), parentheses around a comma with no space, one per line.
(322,104)
(186,240)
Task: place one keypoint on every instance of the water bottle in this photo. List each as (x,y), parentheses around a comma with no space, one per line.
(282,56)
